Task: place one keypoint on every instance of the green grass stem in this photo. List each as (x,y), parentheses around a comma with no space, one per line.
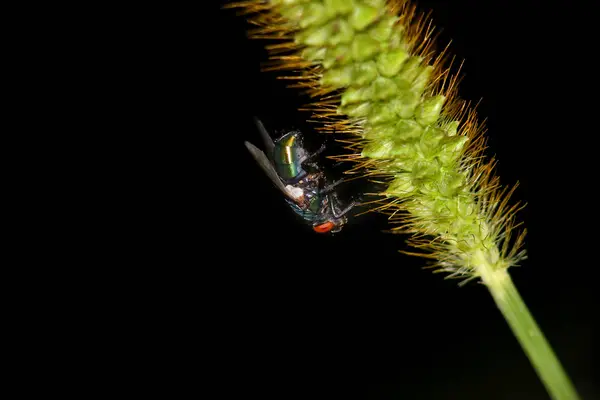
(529,335)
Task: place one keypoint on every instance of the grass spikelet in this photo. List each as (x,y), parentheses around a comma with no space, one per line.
(376,76)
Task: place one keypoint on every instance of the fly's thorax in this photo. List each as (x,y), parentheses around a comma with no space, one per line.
(305,196)
(295,192)
(313,201)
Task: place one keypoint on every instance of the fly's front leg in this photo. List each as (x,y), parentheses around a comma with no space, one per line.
(343,212)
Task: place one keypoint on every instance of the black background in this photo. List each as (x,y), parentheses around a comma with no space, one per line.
(300,315)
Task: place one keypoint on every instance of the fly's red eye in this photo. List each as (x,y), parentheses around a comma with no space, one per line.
(323,228)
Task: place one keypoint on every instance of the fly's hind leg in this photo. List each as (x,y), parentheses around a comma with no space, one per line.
(310,161)
(329,188)
(311,156)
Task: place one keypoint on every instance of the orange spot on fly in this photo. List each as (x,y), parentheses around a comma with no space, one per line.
(323,228)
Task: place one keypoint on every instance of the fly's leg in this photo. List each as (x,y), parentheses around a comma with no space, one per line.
(306,161)
(357,199)
(329,188)
(340,214)
(312,165)
(313,155)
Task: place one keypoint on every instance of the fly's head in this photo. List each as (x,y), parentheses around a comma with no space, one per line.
(332,225)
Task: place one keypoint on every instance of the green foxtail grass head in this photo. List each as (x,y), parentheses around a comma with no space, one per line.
(373,73)
(375,76)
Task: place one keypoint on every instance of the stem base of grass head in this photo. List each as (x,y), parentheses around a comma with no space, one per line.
(528,333)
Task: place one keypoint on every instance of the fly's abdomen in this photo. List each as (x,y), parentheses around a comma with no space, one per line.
(287,156)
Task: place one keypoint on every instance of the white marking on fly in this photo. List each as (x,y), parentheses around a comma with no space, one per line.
(295,192)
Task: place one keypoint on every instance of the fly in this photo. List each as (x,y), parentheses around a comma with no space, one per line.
(306,190)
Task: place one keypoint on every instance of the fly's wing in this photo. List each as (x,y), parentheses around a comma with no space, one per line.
(266,165)
(269,145)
